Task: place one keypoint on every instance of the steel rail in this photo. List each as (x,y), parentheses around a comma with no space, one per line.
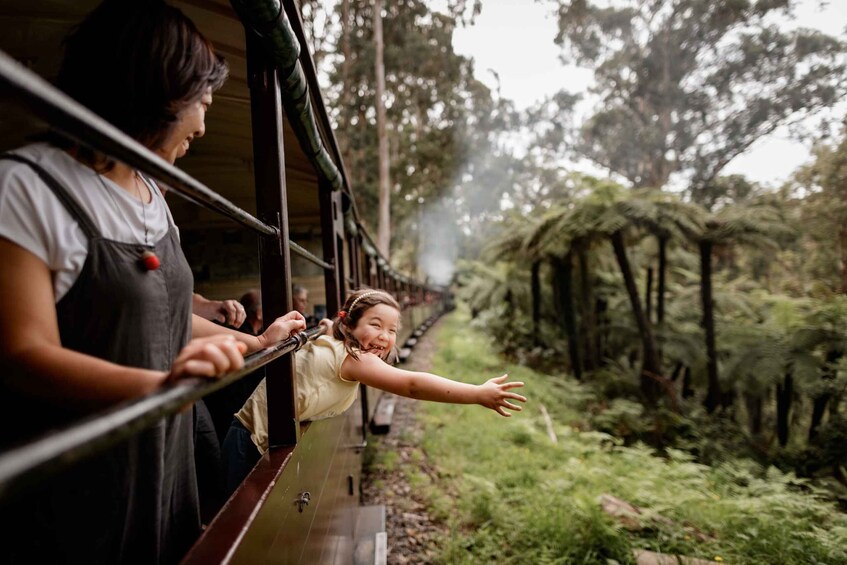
(24,466)
(306,254)
(78,122)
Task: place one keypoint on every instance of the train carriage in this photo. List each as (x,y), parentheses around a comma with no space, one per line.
(262,201)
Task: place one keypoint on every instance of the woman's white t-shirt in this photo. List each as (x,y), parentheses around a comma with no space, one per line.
(32,217)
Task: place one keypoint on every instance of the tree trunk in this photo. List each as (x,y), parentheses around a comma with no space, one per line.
(384,226)
(727,399)
(536,303)
(818,410)
(784,396)
(842,267)
(754,413)
(648,295)
(564,275)
(510,315)
(600,307)
(820,402)
(713,393)
(687,389)
(660,292)
(650,370)
(589,324)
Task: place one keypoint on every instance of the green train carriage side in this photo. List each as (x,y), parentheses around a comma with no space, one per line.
(279,212)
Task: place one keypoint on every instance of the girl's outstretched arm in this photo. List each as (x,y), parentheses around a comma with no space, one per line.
(372,371)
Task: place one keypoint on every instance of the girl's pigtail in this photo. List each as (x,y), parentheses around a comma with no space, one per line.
(341,332)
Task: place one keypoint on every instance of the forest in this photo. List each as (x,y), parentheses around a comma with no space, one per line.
(699,311)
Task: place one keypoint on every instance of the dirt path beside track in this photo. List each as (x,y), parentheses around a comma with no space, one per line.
(411,531)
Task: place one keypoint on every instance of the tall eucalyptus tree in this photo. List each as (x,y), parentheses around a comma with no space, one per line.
(688,85)
(437,115)
(823,185)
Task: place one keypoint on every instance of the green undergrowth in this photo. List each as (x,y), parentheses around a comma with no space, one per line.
(509,494)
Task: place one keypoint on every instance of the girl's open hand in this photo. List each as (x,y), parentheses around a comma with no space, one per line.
(494,394)
(282,328)
(208,357)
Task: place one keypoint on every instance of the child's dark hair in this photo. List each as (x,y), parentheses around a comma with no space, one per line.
(138,65)
(357,303)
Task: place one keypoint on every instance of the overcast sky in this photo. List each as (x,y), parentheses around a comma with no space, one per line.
(502,36)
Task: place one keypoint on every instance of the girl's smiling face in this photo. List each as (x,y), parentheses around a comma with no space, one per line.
(376,330)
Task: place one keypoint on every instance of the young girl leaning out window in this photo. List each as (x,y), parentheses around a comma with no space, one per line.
(330,369)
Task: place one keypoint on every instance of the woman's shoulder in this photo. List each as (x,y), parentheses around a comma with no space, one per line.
(19,176)
(24,190)
(42,153)
(33,217)
(21,187)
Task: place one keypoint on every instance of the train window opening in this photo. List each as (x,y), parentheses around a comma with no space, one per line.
(257,208)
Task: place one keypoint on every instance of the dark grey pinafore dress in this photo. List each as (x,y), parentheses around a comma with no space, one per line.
(138,502)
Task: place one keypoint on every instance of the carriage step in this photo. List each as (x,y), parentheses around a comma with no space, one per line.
(384,413)
(371,546)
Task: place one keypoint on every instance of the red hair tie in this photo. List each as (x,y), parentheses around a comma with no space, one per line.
(342,314)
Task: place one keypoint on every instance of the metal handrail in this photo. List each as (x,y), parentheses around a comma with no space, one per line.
(26,465)
(308,255)
(75,120)
(64,113)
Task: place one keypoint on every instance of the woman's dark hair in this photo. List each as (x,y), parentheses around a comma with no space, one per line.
(357,304)
(138,64)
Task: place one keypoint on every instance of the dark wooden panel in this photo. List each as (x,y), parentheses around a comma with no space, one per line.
(261,523)
(319,465)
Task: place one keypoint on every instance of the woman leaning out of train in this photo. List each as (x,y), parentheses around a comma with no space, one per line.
(360,349)
(95,297)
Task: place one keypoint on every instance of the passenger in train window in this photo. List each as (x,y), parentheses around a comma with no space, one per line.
(95,297)
(225,312)
(225,402)
(329,370)
(252,303)
(300,301)
(212,414)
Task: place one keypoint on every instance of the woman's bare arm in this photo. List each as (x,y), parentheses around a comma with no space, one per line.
(35,364)
(279,330)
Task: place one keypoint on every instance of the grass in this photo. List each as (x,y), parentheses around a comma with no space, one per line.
(510,495)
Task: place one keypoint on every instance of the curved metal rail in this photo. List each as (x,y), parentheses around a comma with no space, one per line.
(76,121)
(309,256)
(28,464)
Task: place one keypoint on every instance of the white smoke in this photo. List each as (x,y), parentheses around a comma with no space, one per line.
(439,241)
